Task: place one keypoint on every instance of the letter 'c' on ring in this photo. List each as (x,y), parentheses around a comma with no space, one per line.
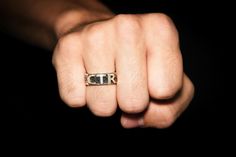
(100,79)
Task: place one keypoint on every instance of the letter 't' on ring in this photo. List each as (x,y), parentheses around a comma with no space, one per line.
(100,79)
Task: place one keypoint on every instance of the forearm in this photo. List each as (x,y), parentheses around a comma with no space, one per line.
(42,22)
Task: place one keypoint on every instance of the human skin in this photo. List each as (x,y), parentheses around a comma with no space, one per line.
(86,37)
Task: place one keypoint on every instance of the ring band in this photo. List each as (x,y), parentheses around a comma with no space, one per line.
(99,79)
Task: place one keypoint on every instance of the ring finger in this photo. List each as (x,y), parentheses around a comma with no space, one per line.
(98,58)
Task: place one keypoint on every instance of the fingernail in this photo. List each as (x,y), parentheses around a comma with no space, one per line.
(130,123)
(133,123)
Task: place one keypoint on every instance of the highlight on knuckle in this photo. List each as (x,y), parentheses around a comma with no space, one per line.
(95,34)
(163,24)
(127,25)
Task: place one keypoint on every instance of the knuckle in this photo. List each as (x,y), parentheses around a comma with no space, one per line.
(126,20)
(73,98)
(163,24)
(95,34)
(103,108)
(65,48)
(65,42)
(128,25)
(73,102)
(160,19)
(133,105)
(164,92)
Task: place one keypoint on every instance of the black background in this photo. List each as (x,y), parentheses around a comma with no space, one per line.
(30,101)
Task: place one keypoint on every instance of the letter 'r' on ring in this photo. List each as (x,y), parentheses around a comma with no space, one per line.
(99,79)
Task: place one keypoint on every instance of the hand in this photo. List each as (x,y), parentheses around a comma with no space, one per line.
(152,89)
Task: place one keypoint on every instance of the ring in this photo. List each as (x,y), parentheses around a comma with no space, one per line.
(99,79)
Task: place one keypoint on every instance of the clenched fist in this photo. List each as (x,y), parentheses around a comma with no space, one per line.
(143,50)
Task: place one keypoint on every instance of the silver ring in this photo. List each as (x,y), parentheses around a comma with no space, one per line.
(100,79)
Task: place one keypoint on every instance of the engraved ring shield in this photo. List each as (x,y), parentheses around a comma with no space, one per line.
(99,79)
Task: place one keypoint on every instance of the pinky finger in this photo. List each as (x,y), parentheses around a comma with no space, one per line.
(162,114)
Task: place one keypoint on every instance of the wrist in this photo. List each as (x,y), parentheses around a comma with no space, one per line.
(70,19)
